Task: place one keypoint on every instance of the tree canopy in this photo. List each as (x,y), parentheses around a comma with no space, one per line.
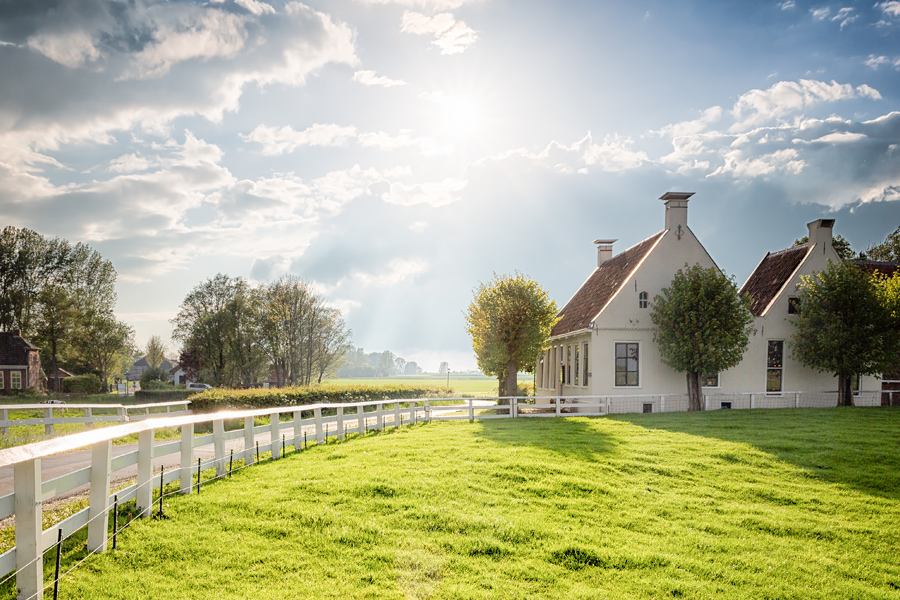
(509,320)
(848,324)
(888,250)
(840,245)
(701,325)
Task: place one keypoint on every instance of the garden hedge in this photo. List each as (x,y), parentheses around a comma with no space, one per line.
(217,399)
(147,396)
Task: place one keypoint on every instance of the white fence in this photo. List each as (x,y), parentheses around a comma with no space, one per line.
(56,414)
(25,503)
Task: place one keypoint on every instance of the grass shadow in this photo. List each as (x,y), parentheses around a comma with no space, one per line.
(571,437)
(854,446)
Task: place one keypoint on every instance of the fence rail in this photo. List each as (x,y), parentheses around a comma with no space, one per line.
(56,414)
(323,421)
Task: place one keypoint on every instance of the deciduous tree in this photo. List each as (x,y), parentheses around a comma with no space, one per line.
(701,325)
(888,250)
(156,351)
(509,321)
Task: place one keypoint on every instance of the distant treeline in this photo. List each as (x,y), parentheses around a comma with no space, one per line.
(357,363)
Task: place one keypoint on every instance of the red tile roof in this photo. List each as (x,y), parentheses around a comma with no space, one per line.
(888,269)
(770,276)
(603,283)
(14,349)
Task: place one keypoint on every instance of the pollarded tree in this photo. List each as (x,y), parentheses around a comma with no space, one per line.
(509,320)
(701,325)
(844,326)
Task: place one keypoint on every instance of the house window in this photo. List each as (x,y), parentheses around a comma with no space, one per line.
(793,305)
(642,300)
(2,383)
(577,363)
(584,372)
(568,365)
(775,366)
(648,407)
(854,383)
(15,380)
(627,364)
(709,380)
(725,405)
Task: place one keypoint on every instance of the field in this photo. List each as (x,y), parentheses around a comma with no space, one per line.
(732,504)
(464,384)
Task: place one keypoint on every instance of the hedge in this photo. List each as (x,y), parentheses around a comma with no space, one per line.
(148,396)
(82,384)
(217,399)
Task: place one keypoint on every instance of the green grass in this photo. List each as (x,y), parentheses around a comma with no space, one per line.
(731,504)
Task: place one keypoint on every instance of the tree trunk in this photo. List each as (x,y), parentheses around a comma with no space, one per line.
(845,392)
(512,382)
(501,384)
(695,400)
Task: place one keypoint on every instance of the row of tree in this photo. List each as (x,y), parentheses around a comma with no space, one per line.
(62,297)
(359,363)
(236,334)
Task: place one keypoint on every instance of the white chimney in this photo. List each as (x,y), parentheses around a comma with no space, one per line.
(820,232)
(604,250)
(676,210)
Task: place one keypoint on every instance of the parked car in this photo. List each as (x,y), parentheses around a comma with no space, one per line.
(198,386)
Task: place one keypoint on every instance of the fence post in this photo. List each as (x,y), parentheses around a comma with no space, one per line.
(29,526)
(98,512)
(340,422)
(144,493)
(48,427)
(379,416)
(471,412)
(705,402)
(187,457)
(122,413)
(397,413)
(751,401)
(89,413)
(662,403)
(219,446)
(797,400)
(298,433)
(4,416)
(427,410)
(248,441)
(317,414)
(361,419)
(274,429)
(558,402)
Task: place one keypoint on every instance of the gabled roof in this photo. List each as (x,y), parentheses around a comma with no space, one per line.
(771,275)
(595,293)
(14,348)
(888,269)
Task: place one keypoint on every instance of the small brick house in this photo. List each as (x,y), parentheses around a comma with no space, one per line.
(20,362)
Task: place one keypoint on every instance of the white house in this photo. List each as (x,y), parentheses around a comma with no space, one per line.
(603,343)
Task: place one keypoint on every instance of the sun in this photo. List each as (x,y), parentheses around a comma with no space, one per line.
(460,116)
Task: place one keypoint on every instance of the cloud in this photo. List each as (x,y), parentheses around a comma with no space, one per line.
(757,107)
(436,193)
(426,145)
(845,17)
(613,154)
(451,36)
(397,270)
(425,4)
(370,78)
(787,5)
(820,14)
(285,139)
(890,9)
(876,62)
(129,163)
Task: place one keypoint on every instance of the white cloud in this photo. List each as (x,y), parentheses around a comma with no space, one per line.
(451,36)
(890,9)
(613,154)
(876,62)
(285,139)
(379,139)
(740,166)
(418,226)
(840,137)
(787,5)
(398,270)
(845,17)
(425,4)
(129,163)
(757,107)
(820,14)
(71,49)
(436,193)
(371,78)
(256,7)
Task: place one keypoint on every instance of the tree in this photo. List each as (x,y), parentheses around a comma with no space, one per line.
(701,325)
(509,320)
(156,351)
(411,368)
(332,343)
(443,368)
(100,340)
(152,377)
(845,326)
(888,250)
(840,245)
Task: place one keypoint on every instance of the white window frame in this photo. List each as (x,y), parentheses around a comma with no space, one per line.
(586,366)
(2,380)
(712,387)
(766,369)
(13,384)
(640,365)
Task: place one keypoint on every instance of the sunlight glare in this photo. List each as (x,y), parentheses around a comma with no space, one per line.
(460,116)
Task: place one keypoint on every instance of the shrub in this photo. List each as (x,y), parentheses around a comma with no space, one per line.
(219,398)
(154,374)
(82,384)
(164,395)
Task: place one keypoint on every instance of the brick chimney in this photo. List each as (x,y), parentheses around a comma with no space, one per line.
(604,250)
(676,209)
(820,232)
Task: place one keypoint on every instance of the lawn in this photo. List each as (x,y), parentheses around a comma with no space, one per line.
(731,504)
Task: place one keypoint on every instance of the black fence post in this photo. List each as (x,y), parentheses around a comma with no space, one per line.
(58,558)
(230,462)
(304,440)
(161,473)
(198,475)
(115,519)
(282,446)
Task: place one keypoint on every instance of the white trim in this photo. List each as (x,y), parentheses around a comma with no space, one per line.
(712,387)
(13,366)
(640,384)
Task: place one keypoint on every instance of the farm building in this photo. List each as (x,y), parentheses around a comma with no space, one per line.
(20,362)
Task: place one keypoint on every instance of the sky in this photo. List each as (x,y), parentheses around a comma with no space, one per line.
(397,153)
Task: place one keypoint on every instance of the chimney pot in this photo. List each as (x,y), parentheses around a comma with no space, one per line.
(676,209)
(820,231)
